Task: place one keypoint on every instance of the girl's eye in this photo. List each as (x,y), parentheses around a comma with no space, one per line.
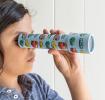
(16,40)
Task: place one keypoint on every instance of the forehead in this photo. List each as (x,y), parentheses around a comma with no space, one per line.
(24,25)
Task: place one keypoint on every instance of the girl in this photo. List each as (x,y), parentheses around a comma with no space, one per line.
(16,81)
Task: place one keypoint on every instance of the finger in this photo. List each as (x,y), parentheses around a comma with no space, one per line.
(69,54)
(54,52)
(63,52)
(52,31)
(45,31)
(59,32)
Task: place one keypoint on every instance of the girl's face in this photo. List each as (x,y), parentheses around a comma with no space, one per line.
(16,59)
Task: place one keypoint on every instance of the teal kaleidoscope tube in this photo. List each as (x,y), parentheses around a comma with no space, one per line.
(72,42)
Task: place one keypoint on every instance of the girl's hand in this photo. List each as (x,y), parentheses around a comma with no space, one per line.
(67,63)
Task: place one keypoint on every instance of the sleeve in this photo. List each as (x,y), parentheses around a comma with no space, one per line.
(4,96)
(50,93)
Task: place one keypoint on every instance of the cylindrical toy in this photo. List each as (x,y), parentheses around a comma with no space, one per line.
(72,42)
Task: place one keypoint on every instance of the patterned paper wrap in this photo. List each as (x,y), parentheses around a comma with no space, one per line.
(72,42)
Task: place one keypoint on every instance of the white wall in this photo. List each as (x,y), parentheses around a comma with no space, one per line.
(95,64)
(71,16)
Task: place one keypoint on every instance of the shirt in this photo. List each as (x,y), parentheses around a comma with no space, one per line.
(33,88)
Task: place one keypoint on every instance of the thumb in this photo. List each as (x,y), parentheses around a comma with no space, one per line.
(53,52)
(56,54)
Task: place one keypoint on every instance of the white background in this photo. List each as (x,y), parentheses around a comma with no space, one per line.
(71,16)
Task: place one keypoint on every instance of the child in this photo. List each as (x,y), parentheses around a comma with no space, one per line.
(16,81)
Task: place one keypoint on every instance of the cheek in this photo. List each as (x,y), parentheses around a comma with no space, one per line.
(16,59)
(15,55)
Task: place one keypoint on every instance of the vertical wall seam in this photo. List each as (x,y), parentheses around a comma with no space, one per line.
(84,69)
(54,28)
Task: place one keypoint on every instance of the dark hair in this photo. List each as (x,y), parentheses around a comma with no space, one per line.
(10,12)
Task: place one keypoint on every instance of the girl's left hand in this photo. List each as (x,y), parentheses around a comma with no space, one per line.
(67,63)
